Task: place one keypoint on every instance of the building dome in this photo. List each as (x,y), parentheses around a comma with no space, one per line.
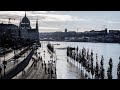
(25,22)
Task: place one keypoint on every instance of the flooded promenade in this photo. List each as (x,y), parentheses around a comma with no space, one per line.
(47,65)
(108,50)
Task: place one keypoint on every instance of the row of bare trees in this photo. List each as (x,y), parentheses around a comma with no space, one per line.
(86,60)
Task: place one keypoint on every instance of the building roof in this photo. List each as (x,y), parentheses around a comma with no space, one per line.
(25,22)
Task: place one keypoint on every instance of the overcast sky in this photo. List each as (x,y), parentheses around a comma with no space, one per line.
(50,21)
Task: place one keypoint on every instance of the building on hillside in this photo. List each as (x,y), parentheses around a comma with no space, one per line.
(114,31)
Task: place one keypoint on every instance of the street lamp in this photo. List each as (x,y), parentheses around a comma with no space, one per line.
(14,47)
(0,58)
(0,71)
(4,63)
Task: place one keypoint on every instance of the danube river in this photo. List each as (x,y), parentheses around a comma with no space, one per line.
(108,50)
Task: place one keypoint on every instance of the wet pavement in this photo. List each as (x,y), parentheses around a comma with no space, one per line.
(65,70)
(37,71)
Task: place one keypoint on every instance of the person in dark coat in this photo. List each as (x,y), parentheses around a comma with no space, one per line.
(42,64)
(51,73)
(45,68)
(0,71)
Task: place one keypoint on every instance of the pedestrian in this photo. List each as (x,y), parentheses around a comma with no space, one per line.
(55,70)
(41,58)
(51,73)
(1,71)
(86,76)
(52,62)
(42,64)
(45,70)
(67,60)
(48,70)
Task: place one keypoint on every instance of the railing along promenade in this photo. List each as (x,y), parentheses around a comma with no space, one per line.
(18,68)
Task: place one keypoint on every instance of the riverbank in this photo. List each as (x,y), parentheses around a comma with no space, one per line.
(81,42)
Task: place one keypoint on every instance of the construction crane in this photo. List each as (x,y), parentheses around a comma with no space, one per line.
(10,19)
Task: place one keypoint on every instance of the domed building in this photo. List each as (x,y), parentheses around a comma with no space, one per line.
(25,22)
(26,32)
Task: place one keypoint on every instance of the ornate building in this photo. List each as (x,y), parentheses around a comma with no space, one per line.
(26,32)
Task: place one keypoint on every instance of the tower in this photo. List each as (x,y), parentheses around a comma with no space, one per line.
(19,29)
(66,30)
(37,31)
(37,28)
(24,27)
(25,13)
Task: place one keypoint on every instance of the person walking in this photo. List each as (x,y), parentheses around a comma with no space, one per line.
(48,67)
(51,73)
(0,71)
(41,58)
(45,68)
(42,64)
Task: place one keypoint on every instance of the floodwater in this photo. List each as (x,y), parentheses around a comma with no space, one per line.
(66,70)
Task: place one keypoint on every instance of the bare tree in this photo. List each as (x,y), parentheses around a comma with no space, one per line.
(102,68)
(92,69)
(118,70)
(109,72)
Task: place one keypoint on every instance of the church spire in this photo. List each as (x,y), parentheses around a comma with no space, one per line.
(37,24)
(25,13)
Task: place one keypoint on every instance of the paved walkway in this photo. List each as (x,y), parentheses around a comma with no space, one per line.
(37,71)
(78,68)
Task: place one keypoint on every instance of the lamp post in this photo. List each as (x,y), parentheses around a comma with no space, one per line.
(0,59)
(0,72)
(4,63)
(14,51)
(17,46)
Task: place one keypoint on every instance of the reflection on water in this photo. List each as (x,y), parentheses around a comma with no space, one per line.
(108,50)
(65,70)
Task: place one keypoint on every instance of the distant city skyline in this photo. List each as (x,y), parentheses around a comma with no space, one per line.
(51,21)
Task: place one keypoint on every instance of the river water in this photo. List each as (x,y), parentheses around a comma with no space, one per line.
(66,70)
